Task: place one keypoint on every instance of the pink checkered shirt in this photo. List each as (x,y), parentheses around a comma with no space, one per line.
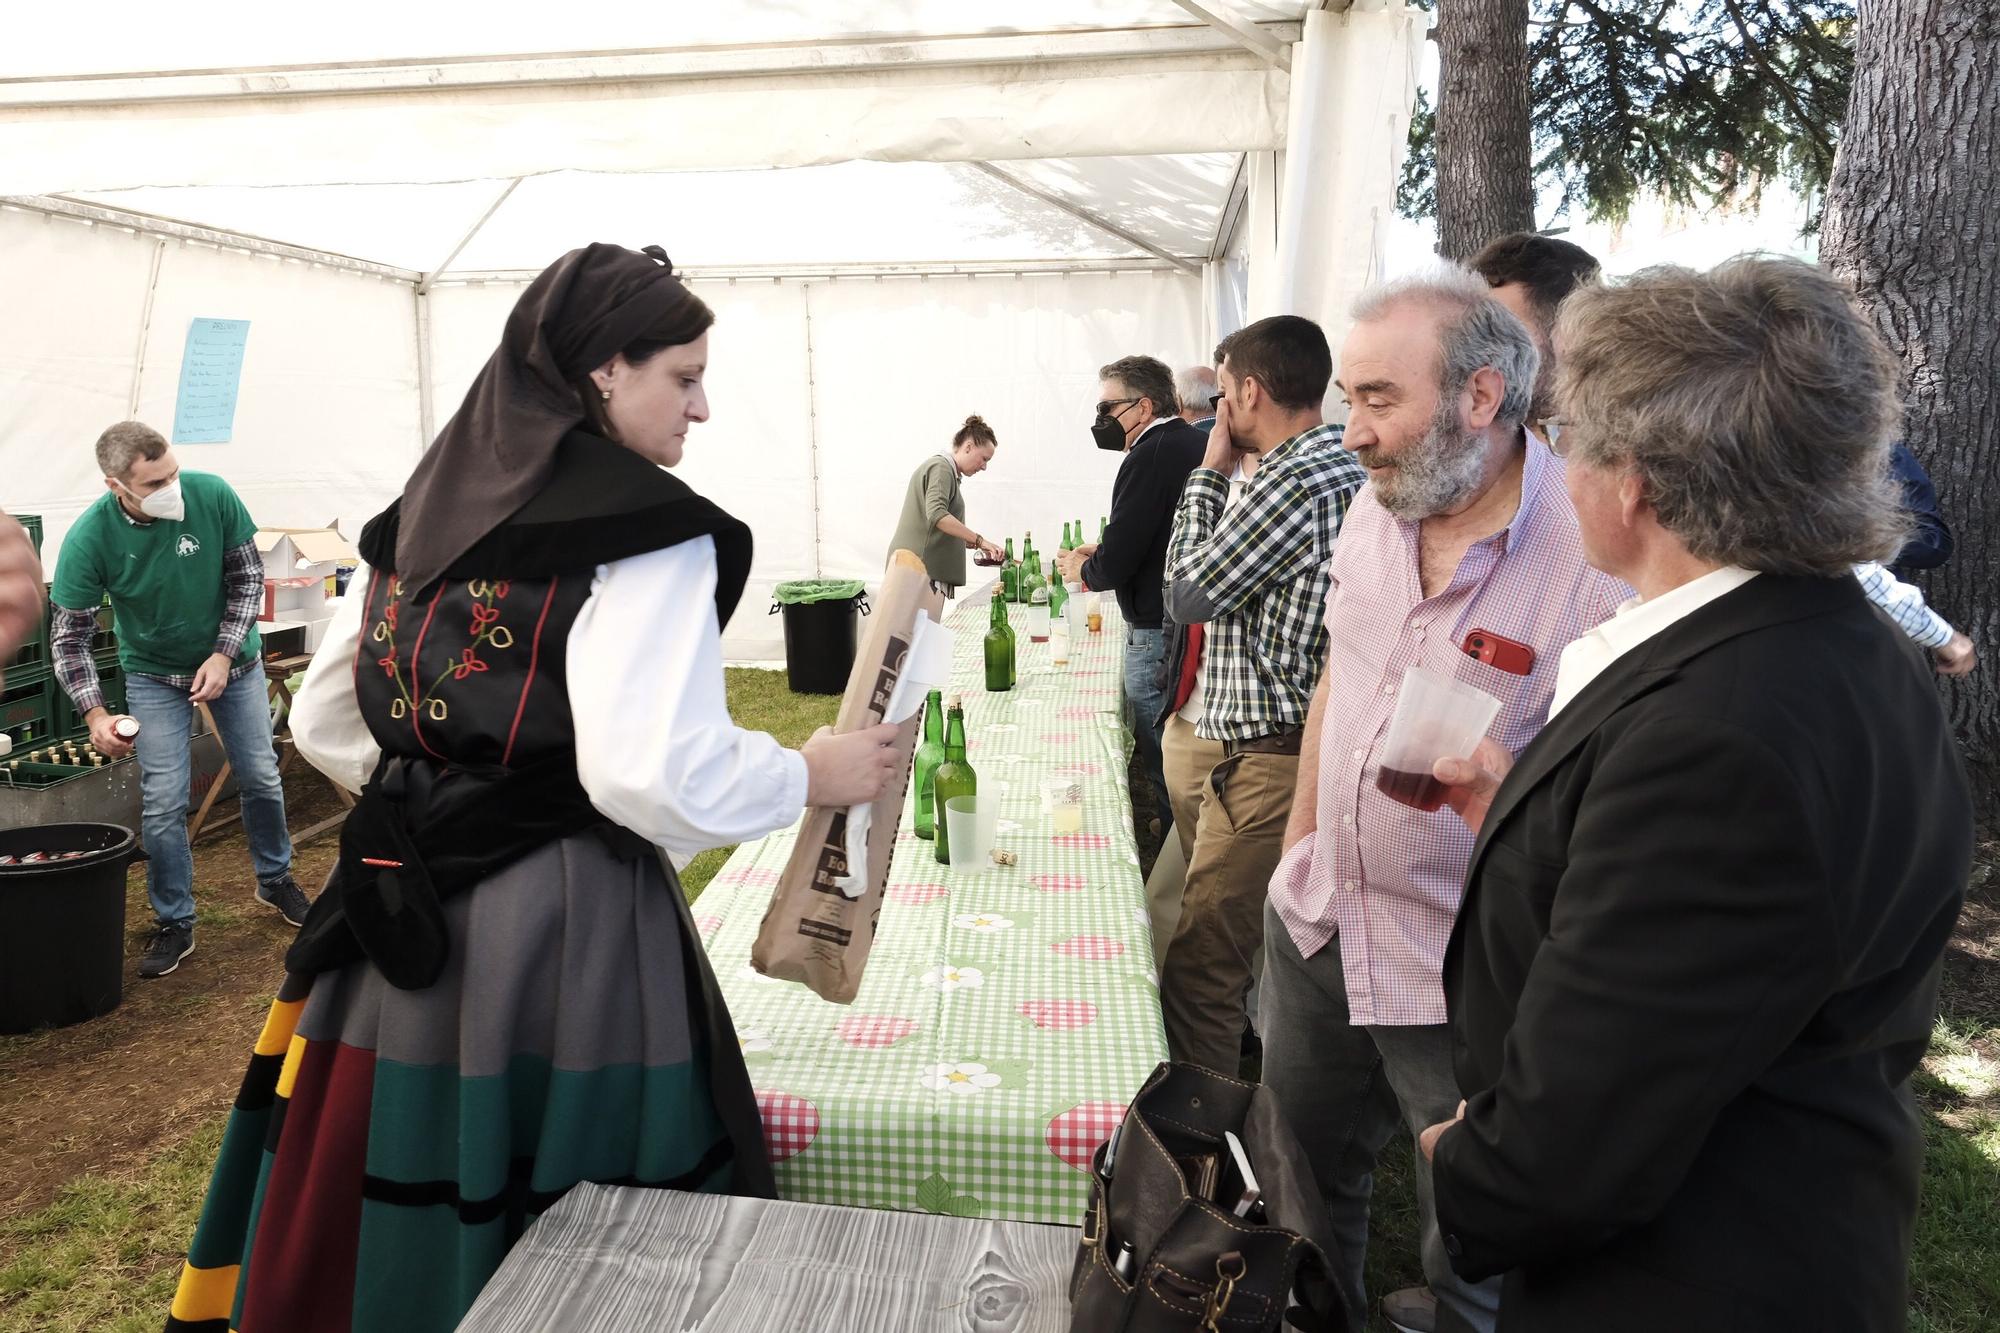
(1383,876)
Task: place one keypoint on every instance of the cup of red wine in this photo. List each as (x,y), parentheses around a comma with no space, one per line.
(1436,718)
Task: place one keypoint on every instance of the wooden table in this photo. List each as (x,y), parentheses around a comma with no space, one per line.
(609,1258)
(278,672)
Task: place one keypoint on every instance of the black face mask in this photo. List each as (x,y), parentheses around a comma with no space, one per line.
(1108,434)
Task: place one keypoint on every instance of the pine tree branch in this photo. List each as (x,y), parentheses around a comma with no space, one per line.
(1812,127)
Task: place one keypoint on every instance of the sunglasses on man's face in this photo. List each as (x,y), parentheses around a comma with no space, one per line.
(1215,398)
(1110,405)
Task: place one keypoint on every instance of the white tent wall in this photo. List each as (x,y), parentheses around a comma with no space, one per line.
(895,367)
(326,422)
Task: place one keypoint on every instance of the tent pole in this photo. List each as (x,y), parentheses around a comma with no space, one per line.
(426,414)
(812,428)
(1242,30)
(145,329)
(424,285)
(1084,215)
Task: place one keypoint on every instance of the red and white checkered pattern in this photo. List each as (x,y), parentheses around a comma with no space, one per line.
(871,1032)
(1060,883)
(1083,842)
(758,875)
(1059,1015)
(1090,948)
(1075,1134)
(1058,739)
(914,895)
(790,1123)
(707,925)
(1085,769)
(1383,876)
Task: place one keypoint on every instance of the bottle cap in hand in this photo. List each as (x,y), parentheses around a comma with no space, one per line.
(125,728)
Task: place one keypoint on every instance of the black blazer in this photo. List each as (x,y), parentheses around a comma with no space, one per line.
(1132,561)
(1696,963)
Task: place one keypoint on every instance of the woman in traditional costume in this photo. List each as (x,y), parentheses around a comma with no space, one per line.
(500,992)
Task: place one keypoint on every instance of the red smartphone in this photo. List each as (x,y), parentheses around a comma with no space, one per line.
(1499,651)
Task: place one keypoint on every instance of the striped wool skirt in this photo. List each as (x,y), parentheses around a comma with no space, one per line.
(389,1146)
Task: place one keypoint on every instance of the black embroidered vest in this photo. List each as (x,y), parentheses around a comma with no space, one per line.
(463,684)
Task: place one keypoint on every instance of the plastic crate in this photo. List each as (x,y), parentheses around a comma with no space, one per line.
(33,523)
(69,722)
(28,711)
(31,661)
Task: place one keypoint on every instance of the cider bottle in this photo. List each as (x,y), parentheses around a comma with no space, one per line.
(954,777)
(999,650)
(1010,573)
(929,755)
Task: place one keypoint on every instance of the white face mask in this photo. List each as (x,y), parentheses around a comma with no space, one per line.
(164,503)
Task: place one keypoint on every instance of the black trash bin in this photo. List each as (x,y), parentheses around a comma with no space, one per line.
(62,954)
(819,632)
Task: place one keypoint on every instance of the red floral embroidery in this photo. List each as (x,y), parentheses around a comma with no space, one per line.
(390,614)
(468,662)
(388,664)
(482,616)
(500,589)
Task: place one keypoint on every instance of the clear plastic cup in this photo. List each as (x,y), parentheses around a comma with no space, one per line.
(1436,718)
(1059,643)
(1062,802)
(971,823)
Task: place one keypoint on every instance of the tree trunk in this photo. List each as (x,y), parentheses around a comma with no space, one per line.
(1485,169)
(1912,220)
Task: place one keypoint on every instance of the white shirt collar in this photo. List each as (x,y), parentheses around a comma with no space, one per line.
(1151,426)
(1637,621)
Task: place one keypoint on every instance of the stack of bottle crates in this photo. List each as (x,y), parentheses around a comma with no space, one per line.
(34,710)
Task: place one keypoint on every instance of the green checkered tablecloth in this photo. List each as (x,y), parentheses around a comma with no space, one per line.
(1007,1016)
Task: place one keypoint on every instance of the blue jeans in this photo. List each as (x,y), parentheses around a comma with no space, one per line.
(1145,700)
(243,716)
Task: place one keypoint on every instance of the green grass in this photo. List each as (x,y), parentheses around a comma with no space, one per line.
(104,1257)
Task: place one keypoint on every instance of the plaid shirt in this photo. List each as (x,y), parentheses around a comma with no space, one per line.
(242,574)
(1905,605)
(1383,877)
(1256,576)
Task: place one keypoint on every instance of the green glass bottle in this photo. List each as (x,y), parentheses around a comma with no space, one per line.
(1058,593)
(1069,538)
(999,650)
(1103,523)
(929,755)
(953,777)
(1010,574)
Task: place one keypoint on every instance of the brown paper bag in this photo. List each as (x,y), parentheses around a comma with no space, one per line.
(813,932)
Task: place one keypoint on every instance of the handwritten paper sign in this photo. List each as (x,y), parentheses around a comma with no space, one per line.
(211,369)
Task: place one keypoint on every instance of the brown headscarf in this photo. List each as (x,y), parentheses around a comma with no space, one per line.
(499,448)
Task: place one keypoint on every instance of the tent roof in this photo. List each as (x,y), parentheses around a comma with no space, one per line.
(761,136)
(142,37)
(917,214)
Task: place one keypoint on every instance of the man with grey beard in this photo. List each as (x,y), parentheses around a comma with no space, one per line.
(1461,559)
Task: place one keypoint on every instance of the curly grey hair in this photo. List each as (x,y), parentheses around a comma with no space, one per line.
(1477,333)
(1754,402)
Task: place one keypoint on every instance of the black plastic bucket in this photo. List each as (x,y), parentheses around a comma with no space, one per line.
(62,951)
(820,644)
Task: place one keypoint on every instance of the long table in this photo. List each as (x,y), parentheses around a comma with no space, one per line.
(1008,1015)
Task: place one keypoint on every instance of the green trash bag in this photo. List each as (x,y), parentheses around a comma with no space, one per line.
(802,591)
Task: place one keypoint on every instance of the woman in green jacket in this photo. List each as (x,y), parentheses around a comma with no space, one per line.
(933,520)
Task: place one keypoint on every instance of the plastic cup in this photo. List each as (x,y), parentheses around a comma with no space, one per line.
(1062,802)
(970,823)
(1436,718)
(1059,643)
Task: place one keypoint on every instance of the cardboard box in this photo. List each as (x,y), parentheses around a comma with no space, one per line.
(304,553)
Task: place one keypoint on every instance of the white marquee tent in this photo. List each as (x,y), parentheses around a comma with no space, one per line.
(903,211)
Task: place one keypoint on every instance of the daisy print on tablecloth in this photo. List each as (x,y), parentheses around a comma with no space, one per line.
(754,1041)
(986,923)
(962,1079)
(948,978)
